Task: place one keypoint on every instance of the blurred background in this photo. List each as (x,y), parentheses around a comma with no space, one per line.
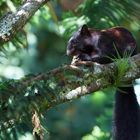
(41,46)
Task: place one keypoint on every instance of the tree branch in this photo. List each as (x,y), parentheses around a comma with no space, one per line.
(11,23)
(60,85)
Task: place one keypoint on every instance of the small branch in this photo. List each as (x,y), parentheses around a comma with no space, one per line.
(38,130)
(11,23)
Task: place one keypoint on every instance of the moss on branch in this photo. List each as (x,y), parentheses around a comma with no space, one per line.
(43,91)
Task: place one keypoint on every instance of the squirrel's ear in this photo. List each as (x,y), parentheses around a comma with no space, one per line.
(84,30)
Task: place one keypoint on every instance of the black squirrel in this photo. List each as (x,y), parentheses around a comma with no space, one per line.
(99,46)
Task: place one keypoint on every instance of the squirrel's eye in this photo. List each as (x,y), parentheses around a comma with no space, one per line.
(75,41)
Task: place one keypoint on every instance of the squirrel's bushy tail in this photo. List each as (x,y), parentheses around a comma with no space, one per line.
(126,115)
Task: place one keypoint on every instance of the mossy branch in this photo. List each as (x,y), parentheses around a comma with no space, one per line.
(63,84)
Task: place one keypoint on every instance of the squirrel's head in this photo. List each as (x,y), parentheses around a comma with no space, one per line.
(80,42)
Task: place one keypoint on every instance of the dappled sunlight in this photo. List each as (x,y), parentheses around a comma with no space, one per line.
(137,89)
(26,136)
(96,134)
(12,72)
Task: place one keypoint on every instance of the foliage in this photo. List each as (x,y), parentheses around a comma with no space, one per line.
(41,46)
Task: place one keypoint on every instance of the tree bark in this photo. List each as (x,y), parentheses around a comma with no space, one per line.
(63,84)
(11,23)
